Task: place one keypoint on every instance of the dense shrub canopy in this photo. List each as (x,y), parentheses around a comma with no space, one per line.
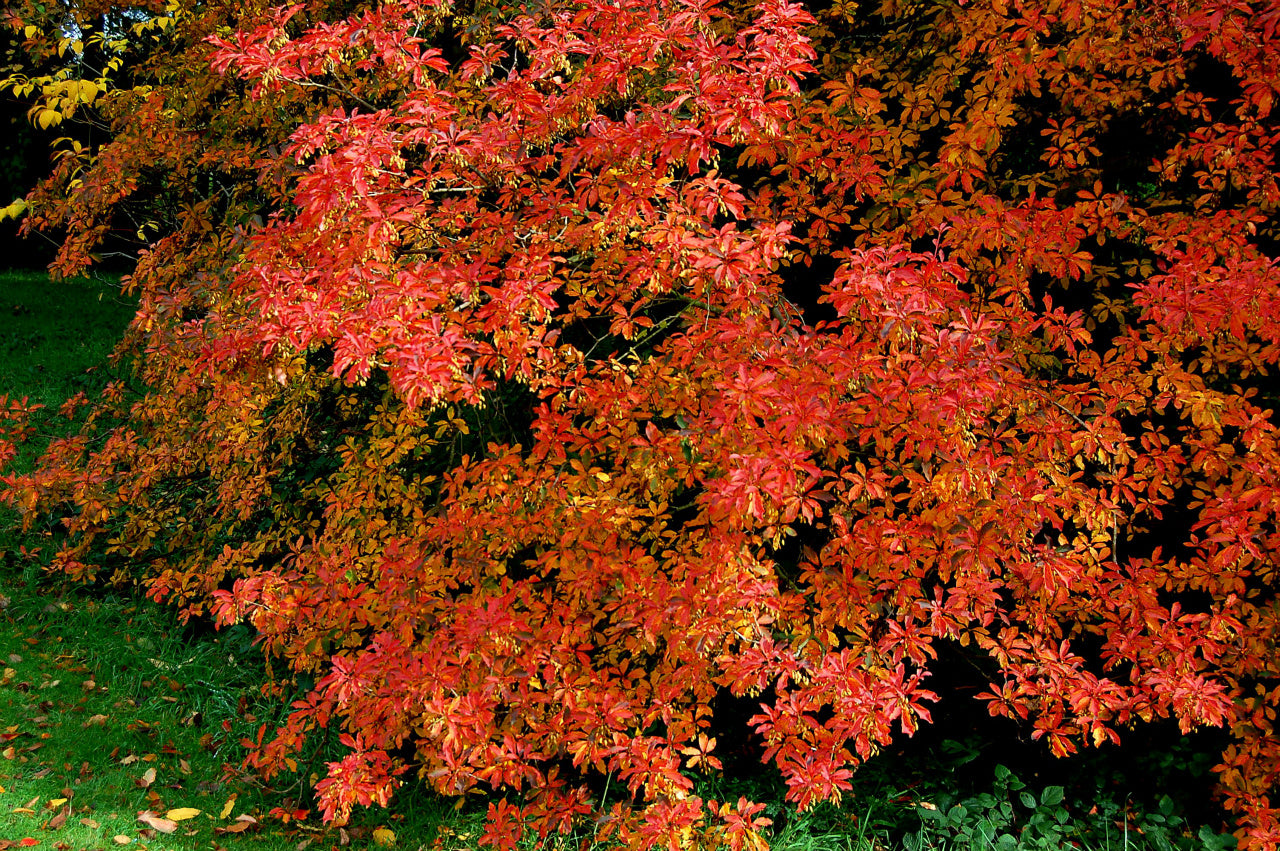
(531,374)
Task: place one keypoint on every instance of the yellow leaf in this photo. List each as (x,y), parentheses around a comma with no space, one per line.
(54,803)
(46,118)
(182,813)
(30,31)
(11,212)
(227,807)
(383,836)
(121,839)
(88,90)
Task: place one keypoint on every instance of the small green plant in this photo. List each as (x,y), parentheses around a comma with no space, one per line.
(1010,816)
(1015,816)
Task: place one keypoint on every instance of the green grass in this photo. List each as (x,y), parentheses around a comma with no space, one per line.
(56,336)
(110,708)
(109,714)
(55,341)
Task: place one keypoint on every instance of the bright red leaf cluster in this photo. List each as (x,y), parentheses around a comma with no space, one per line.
(532,375)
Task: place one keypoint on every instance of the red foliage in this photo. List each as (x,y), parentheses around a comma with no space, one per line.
(535,377)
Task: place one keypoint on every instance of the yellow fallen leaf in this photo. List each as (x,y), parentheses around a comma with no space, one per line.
(227,807)
(120,839)
(54,803)
(26,811)
(182,813)
(384,836)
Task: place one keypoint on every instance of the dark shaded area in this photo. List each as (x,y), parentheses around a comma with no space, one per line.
(24,159)
(959,756)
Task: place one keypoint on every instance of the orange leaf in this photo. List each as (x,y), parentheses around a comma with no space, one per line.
(152,820)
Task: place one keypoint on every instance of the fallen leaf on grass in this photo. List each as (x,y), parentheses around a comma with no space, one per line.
(241,824)
(90,823)
(148,777)
(227,807)
(58,820)
(286,815)
(94,721)
(182,813)
(384,836)
(159,823)
(121,839)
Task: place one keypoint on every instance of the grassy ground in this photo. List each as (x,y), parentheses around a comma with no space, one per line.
(120,727)
(54,337)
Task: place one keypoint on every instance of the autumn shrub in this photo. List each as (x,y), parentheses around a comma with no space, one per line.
(532,375)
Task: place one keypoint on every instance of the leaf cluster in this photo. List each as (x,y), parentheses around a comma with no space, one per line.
(530,377)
